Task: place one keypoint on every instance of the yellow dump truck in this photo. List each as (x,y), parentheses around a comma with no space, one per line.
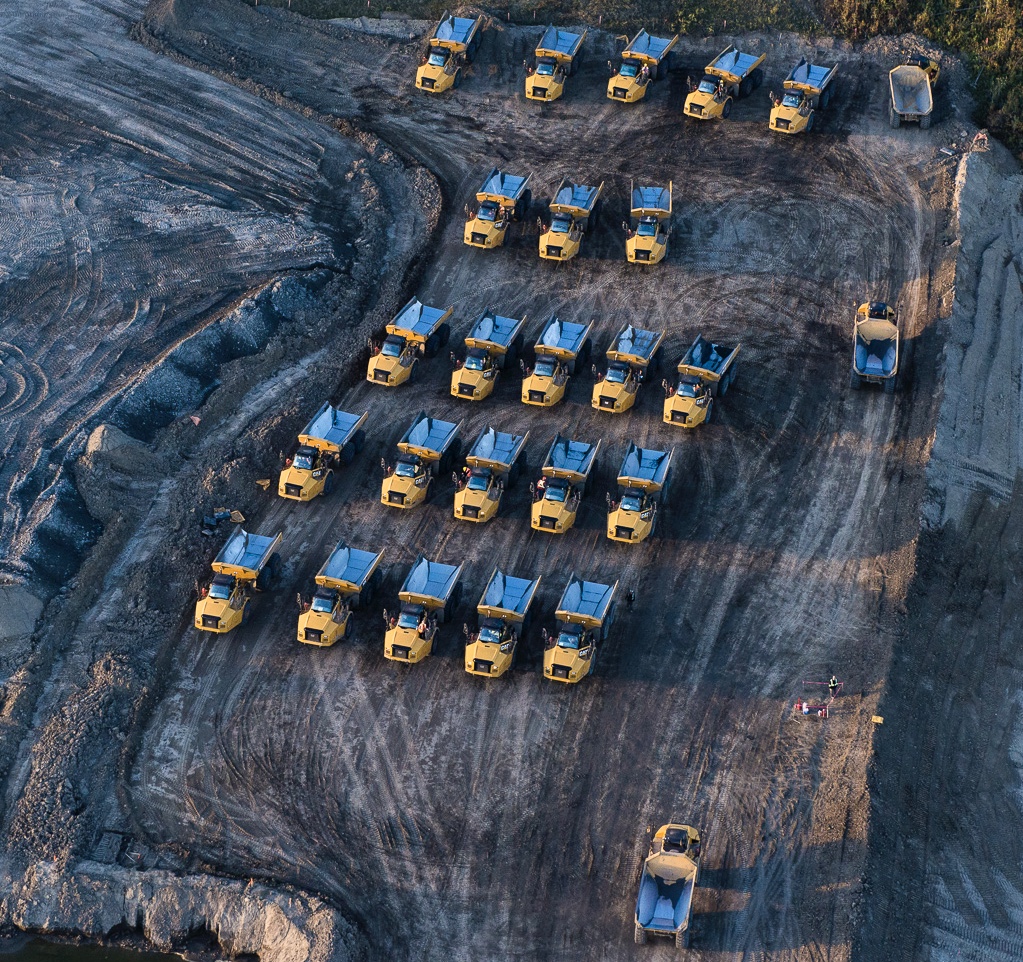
(564,479)
(876,347)
(429,447)
(561,349)
(643,483)
(330,439)
(429,597)
(247,563)
(806,90)
(494,463)
(502,198)
(492,344)
(643,60)
(632,355)
(454,43)
(664,905)
(705,372)
(585,613)
(349,578)
(646,238)
(416,331)
(575,210)
(557,59)
(729,76)
(503,611)
(912,89)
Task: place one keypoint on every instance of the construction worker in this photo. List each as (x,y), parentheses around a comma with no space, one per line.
(833,686)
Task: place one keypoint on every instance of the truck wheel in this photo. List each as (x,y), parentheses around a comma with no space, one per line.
(893,118)
(348,454)
(246,613)
(640,936)
(432,345)
(727,109)
(573,65)
(710,411)
(854,381)
(809,122)
(746,86)
(925,121)
(444,332)
(456,449)
(328,484)
(367,593)
(825,98)
(359,440)
(457,82)
(513,475)
(682,939)
(758,78)
(414,372)
(889,385)
(665,488)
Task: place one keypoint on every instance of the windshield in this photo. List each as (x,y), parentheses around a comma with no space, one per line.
(303,461)
(792,100)
(405,469)
(392,346)
(570,639)
(474,363)
(323,603)
(688,389)
(561,223)
(223,592)
(545,367)
(408,619)
(629,70)
(631,502)
(491,635)
(617,374)
(555,494)
(707,86)
(479,481)
(487,211)
(647,228)
(438,58)
(545,69)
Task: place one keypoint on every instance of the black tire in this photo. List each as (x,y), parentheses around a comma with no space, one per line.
(746,86)
(682,939)
(758,78)
(368,592)
(825,99)
(727,109)
(585,352)
(666,488)
(723,386)
(358,440)
(328,484)
(573,66)
(854,381)
(889,385)
(455,451)
(513,476)
(710,411)
(444,332)
(809,122)
(457,82)
(925,121)
(414,372)
(432,345)
(525,202)
(246,612)
(894,120)
(348,454)
(639,937)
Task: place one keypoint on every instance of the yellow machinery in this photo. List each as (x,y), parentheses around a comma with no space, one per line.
(564,479)
(416,331)
(664,905)
(646,240)
(493,342)
(454,43)
(730,75)
(494,463)
(560,350)
(912,88)
(574,211)
(643,483)
(503,619)
(331,438)
(428,448)
(643,60)
(876,347)
(503,198)
(557,59)
(429,597)
(704,373)
(247,563)
(807,89)
(632,354)
(585,613)
(348,578)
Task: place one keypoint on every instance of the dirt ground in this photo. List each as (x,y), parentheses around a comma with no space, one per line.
(446,817)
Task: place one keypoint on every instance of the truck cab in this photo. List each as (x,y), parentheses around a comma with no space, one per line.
(807,89)
(730,75)
(642,482)
(643,60)
(632,353)
(493,463)
(246,563)
(563,481)
(574,211)
(646,239)
(502,198)
(416,331)
(585,613)
(348,578)
(705,373)
(557,58)
(491,342)
(560,349)
(331,438)
(454,43)
(875,346)
(429,595)
(503,612)
(427,448)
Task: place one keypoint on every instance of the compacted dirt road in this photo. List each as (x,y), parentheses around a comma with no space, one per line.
(449,817)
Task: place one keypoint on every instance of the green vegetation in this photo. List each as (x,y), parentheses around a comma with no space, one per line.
(988,33)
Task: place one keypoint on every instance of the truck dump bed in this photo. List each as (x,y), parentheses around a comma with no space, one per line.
(493,329)
(428,436)
(585,602)
(560,44)
(562,338)
(645,466)
(810,78)
(662,904)
(496,448)
(454,31)
(911,91)
(417,319)
(733,64)
(245,554)
(567,458)
(331,425)
(635,343)
(707,358)
(645,47)
(502,188)
(651,201)
(575,198)
(429,582)
(507,597)
(348,568)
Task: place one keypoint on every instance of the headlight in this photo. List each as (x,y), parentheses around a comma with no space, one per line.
(548,669)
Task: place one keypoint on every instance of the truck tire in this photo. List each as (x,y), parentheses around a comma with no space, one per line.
(889,385)
(925,121)
(710,411)
(328,484)
(246,612)
(457,82)
(358,440)
(640,936)
(573,64)
(682,939)
(727,109)
(894,120)
(267,579)
(348,454)
(758,78)
(444,332)
(666,487)
(513,475)
(825,98)
(854,381)
(432,345)
(746,86)
(414,373)
(809,122)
